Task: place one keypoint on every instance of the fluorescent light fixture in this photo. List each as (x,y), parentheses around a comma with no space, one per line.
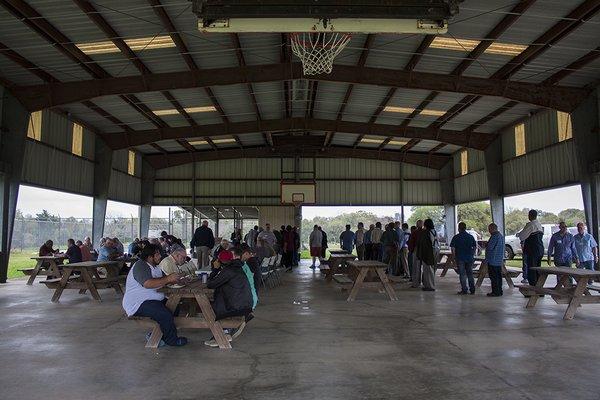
(506,49)
(397,142)
(189,110)
(198,142)
(145,43)
(408,110)
(371,140)
(226,140)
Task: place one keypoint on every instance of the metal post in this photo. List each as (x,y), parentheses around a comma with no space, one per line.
(193,197)
(169,223)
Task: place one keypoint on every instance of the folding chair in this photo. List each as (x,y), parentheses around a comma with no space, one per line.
(264,271)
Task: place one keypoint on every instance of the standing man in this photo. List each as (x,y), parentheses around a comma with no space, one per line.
(347,240)
(368,242)
(376,241)
(586,247)
(251,237)
(415,271)
(203,241)
(268,236)
(463,249)
(494,256)
(533,246)
(401,243)
(562,247)
(404,250)
(359,240)
(315,241)
(324,244)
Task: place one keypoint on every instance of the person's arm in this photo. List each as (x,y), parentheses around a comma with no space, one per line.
(550,248)
(219,279)
(143,275)
(574,252)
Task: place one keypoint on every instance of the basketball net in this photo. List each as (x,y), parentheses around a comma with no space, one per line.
(318,50)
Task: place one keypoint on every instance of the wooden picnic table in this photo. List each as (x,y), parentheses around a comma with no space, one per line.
(364,266)
(484,273)
(45,265)
(199,295)
(338,252)
(335,264)
(89,278)
(564,292)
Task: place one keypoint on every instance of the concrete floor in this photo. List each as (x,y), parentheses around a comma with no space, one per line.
(306,342)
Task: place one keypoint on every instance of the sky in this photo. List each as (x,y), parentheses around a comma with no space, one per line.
(33,200)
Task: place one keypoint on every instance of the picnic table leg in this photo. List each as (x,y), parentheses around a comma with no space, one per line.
(535,297)
(87,278)
(386,284)
(357,284)
(576,299)
(215,326)
(35,272)
(483,273)
(332,268)
(54,268)
(507,277)
(62,284)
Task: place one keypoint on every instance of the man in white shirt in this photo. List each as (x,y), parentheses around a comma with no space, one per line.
(376,241)
(359,239)
(533,247)
(315,241)
(176,262)
(268,236)
(143,299)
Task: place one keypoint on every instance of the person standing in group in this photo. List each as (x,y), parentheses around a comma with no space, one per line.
(415,271)
(427,253)
(404,250)
(315,241)
(288,246)
(376,241)
(463,247)
(203,241)
(389,241)
(586,247)
(324,244)
(347,240)
(562,247)
(533,246)
(251,236)
(401,243)
(494,257)
(279,236)
(295,230)
(368,242)
(359,240)
(268,237)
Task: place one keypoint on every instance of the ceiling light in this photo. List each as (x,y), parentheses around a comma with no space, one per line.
(227,140)
(189,110)
(397,142)
(371,140)
(408,110)
(198,142)
(507,49)
(137,44)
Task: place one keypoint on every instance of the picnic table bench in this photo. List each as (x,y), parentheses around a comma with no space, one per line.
(199,294)
(507,273)
(335,264)
(364,266)
(88,278)
(564,292)
(45,265)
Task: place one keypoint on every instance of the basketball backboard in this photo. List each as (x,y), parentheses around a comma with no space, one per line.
(298,193)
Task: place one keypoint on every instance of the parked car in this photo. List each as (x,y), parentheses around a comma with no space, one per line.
(512,245)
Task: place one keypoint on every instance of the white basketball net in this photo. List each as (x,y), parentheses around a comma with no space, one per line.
(318,50)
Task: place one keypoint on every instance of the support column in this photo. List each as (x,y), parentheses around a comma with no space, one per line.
(13,138)
(495,181)
(102,171)
(147,197)
(585,119)
(448,199)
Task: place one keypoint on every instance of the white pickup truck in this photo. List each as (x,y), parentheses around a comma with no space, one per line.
(513,244)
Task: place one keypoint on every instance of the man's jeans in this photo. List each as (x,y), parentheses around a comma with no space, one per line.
(465,272)
(158,311)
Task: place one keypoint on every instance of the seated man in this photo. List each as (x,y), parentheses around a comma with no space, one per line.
(176,262)
(232,296)
(119,246)
(73,252)
(47,250)
(134,247)
(252,271)
(108,252)
(144,300)
(85,251)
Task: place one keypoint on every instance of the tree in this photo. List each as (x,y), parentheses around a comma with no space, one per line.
(435,213)
(546,217)
(46,216)
(477,215)
(515,219)
(571,216)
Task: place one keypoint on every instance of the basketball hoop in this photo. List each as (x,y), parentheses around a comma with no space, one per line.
(318,50)
(297,199)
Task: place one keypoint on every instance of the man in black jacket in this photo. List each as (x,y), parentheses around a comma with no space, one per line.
(203,241)
(232,296)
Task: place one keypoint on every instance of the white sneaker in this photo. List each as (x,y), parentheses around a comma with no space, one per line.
(524,280)
(213,343)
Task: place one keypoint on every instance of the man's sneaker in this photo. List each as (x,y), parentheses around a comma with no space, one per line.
(160,344)
(213,343)
(524,280)
(461,292)
(312,267)
(181,341)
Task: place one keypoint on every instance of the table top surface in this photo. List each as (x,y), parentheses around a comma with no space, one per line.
(92,264)
(367,264)
(345,255)
(575,272)
(195,287)
(338,252)
(55,257)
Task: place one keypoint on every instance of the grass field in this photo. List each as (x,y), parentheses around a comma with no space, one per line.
(19,260)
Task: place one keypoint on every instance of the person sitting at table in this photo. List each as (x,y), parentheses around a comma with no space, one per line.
(142,298)
(232,293)
(119,246)
(73,252)
(47,250)
(85,251)
(176,262)
(249,257)
(108,252)
(134,247)
(223,247)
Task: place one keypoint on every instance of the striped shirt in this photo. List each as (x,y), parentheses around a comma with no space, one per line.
(494,251)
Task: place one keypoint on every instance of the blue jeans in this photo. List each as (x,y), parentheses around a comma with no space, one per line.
(465,272)
(495,272)
(586,265)
(158,311)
